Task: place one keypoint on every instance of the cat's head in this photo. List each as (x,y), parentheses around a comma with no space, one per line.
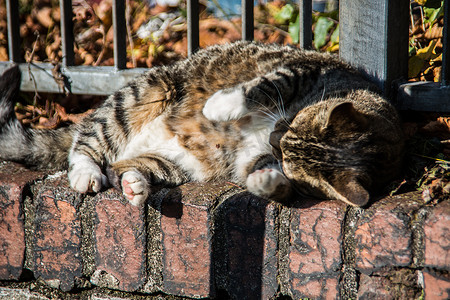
(333,151)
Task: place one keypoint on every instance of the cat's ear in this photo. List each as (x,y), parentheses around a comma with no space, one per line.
(351,192)
(344,115)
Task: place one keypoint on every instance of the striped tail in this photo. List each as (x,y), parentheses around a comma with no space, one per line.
(42,149)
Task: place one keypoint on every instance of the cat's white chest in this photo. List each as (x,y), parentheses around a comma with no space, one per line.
(255,143)
(154,138)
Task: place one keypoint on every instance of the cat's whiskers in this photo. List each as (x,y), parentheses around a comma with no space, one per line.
(280,108)
(323,93)
(267,111)
(280,103)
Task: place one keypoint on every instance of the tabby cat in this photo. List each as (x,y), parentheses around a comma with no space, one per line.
(275,119)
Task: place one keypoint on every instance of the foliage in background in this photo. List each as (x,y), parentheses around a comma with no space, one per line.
(157,34)
(425,42)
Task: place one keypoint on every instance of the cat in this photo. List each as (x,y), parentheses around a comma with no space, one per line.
(275,119)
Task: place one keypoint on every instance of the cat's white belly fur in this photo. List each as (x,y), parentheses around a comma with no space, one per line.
(231,105)
(256,143)
(155,139)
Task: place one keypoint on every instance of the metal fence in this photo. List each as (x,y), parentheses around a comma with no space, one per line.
(373,37)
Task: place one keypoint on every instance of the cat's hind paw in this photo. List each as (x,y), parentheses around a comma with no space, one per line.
(269,183)
(135,187)
(225,105)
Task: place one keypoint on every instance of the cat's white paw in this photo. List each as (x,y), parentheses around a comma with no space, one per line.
(225,105)
(86,177)
(265,182)
(135,187)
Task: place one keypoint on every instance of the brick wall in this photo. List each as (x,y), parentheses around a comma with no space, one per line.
(215,241)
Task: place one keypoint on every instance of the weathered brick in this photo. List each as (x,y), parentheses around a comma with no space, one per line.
(57,256)
(120,242)
(437,237)
(13,180)
(390,284)
(374,287)
(383,234)
(315,248)
(436,286)
(186,239)
(20,294)
(246,247)
(316,288)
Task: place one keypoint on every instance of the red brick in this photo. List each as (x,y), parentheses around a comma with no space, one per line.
(437,237)
(120,240)
(248,246)
(186,239)
(383,234)
(402,283)
(374,288)
(13,179)
(316,288)
(57,255)
(315,247)
(436,286)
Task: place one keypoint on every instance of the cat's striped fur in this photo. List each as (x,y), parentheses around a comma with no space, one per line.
(212,116)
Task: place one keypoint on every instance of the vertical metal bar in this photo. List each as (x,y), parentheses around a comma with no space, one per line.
(120,34)
(382,51)
(67,38)
(193,26)
(12,11)
(247,20)
(305,32)
(445,75)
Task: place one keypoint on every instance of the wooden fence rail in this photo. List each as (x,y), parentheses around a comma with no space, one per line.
(373,37)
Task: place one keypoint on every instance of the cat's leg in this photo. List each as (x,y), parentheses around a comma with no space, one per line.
(85,174)
(270,93)
(136,176)
(86,157)
(88,154)
(266,179)
(225,105)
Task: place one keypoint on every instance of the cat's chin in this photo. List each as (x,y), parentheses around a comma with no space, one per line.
(351,193)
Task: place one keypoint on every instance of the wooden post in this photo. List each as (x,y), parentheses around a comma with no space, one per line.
(374,37)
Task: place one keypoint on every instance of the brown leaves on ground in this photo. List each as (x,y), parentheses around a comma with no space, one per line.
(93,31)
(435,183)
(427,165)
(50,116)
(425,40)
(440,129)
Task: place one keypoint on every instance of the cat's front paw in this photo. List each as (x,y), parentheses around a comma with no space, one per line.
(135,187)
(87,178)
(225,105)
(269,183)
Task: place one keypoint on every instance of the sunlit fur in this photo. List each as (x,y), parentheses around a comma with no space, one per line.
(242,112)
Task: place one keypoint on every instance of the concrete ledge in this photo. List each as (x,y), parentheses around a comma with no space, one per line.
(215,241)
